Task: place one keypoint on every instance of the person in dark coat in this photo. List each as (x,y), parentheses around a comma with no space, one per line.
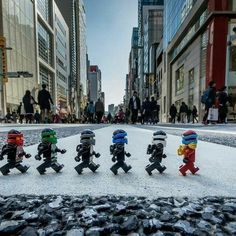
(134,106)
(223,109)
(173,113)
(154,109)
(146,108)
(210,100)
(44,99)
(28,102)
(183,110)
(189,113)
(99,110)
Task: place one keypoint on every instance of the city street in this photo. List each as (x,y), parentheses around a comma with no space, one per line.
(216,162)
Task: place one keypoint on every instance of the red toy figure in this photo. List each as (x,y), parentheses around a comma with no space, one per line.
(14,152)
(189,140)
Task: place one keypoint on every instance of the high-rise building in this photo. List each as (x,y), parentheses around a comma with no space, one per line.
(143,9)
(46,57)
(111,109)
(73,12)
(94,83)
(197,49)
(132,77)
(17,25)
(62,59)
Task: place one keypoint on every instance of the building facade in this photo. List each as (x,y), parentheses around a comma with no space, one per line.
(17,25)
(94,83)
(73,12)
(46,56)
(195,51)
(62,59)
(143,7)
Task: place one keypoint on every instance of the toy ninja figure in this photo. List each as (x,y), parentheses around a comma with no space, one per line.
(15,152)
(85,150)
(156,151)
(49,151)
(189,140)
(118,151)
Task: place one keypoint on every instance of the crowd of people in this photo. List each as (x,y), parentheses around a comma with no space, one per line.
(146,112)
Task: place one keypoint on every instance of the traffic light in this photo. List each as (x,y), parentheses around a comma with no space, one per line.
(4,58)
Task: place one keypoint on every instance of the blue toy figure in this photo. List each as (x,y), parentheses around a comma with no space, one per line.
(118,151)
(86,151)
(156,150)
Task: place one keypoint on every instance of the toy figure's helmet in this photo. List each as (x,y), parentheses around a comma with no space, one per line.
(15,137)
(119,136)
(49,136)
(190,138)
(87,137)
(159,137)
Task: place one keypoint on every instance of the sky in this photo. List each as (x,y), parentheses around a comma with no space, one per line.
(109,31)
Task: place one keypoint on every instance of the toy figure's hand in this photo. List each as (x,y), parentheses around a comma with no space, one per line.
(164,156)
(128,154)
(77,159)
(27,155)
(180,150)
(151,159)
(185,160)
(149,149)
(1,158)
(113,159)
(97,155)
(63,151)
(37,157)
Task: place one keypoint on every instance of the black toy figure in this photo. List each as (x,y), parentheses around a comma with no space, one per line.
(15,152)
(49,151)
(156,151)
(85,150)
(118,151)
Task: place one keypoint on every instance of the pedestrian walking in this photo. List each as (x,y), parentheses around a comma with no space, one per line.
(90,112)
(154,111)
(44,99)
(173,113)
(223,109)
(209,98)
(194,114)
(134,106)
(189,114)
(183,112)
(28,102)
(146,111)
(21,112)
(99,110)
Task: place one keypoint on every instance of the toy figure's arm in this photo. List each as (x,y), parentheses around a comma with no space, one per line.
(112,151)
(41,149)
(79,151)
(4,152)
(127,154)
(181,150)
(149,149)
(62,151)
(97,155)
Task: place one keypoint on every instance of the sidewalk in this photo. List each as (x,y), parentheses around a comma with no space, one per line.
(216,176)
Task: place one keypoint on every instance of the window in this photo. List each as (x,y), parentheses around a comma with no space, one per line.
(179,84)
(191,77)
(191,87)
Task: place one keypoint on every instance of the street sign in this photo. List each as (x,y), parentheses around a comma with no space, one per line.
(4,59)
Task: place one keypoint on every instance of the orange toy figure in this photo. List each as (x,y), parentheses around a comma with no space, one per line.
(189,140)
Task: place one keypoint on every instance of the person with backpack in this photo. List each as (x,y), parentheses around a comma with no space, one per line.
(183,110)
(194,114)
(208,98)
(173,113)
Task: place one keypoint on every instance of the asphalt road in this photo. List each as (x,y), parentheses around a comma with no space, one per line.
(216,177)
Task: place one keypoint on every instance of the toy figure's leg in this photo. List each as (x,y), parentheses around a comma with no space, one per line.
(56,166)
(192,168)
(92,166)
(159,167)
(115,168)
(6,168)
(22,168)
(79,168)
(42,168)
(183,169)
(150,167)
(126,167)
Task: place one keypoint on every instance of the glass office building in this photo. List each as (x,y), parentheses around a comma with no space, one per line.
(18,27)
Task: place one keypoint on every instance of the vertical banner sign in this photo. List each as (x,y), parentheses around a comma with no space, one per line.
(4,58)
